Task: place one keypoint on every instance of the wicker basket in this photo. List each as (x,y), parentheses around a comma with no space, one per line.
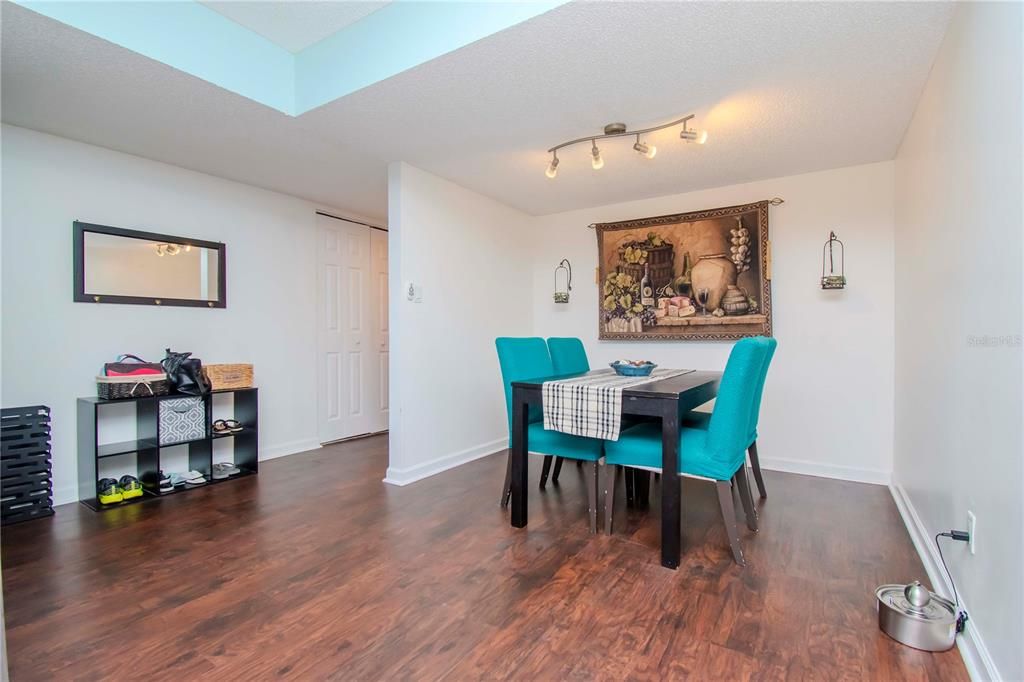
(140,386)
(229,376)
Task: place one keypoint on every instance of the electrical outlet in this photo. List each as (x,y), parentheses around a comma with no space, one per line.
(972,524)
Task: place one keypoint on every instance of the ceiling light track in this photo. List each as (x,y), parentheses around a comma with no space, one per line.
(620,130)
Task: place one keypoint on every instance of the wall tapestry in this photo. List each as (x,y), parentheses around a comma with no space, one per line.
(699,275)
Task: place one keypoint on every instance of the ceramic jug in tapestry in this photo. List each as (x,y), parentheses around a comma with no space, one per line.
(735,301)
(714,273)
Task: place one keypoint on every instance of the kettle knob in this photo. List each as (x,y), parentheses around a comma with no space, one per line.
(917,594)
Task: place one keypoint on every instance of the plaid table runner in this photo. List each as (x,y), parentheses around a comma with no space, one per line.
(592,405)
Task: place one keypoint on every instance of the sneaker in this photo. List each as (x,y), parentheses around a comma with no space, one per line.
(222,470)
(194,479)
(165,483)
(130,487)
(176,479)
(108,491)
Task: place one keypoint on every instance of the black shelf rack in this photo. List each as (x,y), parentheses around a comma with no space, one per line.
(147,449)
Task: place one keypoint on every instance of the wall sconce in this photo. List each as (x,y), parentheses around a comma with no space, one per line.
(833,280)
(562,292)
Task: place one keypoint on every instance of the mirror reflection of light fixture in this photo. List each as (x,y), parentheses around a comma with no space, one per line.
(562,292)
(619,130)
(833,280)
(170,249)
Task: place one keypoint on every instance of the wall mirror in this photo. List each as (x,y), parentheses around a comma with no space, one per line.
(114,265)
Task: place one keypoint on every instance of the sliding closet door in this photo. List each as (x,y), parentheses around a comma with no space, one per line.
(346,355)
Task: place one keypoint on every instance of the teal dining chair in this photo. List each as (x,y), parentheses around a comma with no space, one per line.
(528,358)
(716,453)
(568,356)
(700,420)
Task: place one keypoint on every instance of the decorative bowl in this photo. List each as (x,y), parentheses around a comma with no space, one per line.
(628,370)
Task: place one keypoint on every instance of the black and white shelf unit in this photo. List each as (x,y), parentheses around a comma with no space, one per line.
(150,446)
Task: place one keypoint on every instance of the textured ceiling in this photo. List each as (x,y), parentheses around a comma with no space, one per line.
(783,88)
(294,24)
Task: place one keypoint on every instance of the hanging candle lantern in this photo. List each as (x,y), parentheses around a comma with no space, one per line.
(832,251)
(563,281)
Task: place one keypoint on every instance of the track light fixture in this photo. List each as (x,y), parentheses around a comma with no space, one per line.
(595,157)
(619,130)
(648,150)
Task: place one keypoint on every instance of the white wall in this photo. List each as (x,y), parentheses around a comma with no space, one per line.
(828,401)
(53,348)
(470,254)
(958,442)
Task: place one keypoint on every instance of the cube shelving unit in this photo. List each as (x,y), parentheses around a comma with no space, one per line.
(147,448)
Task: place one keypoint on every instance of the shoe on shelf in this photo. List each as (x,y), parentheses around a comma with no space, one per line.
(194,479)
(108,491)
(130,487)
(225,426)
(165,483)
(176,479)
(222,470)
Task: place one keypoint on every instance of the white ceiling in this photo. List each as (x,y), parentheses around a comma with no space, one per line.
(784,88)
(294,24)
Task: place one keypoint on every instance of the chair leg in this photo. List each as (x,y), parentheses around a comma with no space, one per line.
(557,470)
(756,466)
(506,492)
(729,517)
(611,484)
(590,475)
(743,484)
(545,470)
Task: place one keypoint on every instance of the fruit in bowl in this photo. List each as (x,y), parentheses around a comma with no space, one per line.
(633,368)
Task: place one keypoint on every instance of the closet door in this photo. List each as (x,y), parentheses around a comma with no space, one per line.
(379,301)
(345,351)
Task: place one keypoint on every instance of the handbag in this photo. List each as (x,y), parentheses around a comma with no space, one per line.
(137,367)
(185,373)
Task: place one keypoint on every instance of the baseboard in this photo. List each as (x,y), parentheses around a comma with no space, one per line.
(977,659)
(396,476)
(291,448)
(843,473)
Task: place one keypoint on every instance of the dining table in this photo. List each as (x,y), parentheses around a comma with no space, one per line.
(667,399)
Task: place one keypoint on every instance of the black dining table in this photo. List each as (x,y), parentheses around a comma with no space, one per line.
(667,399)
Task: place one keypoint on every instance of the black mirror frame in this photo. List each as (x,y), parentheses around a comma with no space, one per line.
(79,229)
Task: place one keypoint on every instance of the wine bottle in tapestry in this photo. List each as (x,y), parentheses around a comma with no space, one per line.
(646,290)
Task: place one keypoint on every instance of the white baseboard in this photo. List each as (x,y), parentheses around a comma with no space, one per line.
(290,448)
(977,659)
(843,473)
(435,466)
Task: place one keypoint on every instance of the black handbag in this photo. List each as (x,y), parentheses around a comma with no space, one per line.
(185,373)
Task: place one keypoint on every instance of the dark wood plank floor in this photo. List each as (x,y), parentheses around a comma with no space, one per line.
(317,570)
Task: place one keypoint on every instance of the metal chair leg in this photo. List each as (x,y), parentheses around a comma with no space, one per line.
(545,469)
(756,466)
(557,470)
(613,474)
(506,492)
(729,517)
(743,484)
(590,475)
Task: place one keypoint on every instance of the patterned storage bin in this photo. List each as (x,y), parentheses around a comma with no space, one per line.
(182,420)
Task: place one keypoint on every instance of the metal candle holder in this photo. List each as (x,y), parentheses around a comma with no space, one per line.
(833,280)
(562,294)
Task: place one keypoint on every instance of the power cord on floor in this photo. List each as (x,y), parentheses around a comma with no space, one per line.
(961,616)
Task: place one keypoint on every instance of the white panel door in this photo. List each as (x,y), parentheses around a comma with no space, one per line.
(344,343)
(381,347)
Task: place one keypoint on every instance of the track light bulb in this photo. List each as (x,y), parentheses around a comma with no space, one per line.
(698,136)
(648,150)
(552,170)
(596,161)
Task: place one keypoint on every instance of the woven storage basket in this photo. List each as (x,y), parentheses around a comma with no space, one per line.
(139,386)
(229,376)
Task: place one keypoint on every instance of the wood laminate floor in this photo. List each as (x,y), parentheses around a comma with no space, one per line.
(315,569)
